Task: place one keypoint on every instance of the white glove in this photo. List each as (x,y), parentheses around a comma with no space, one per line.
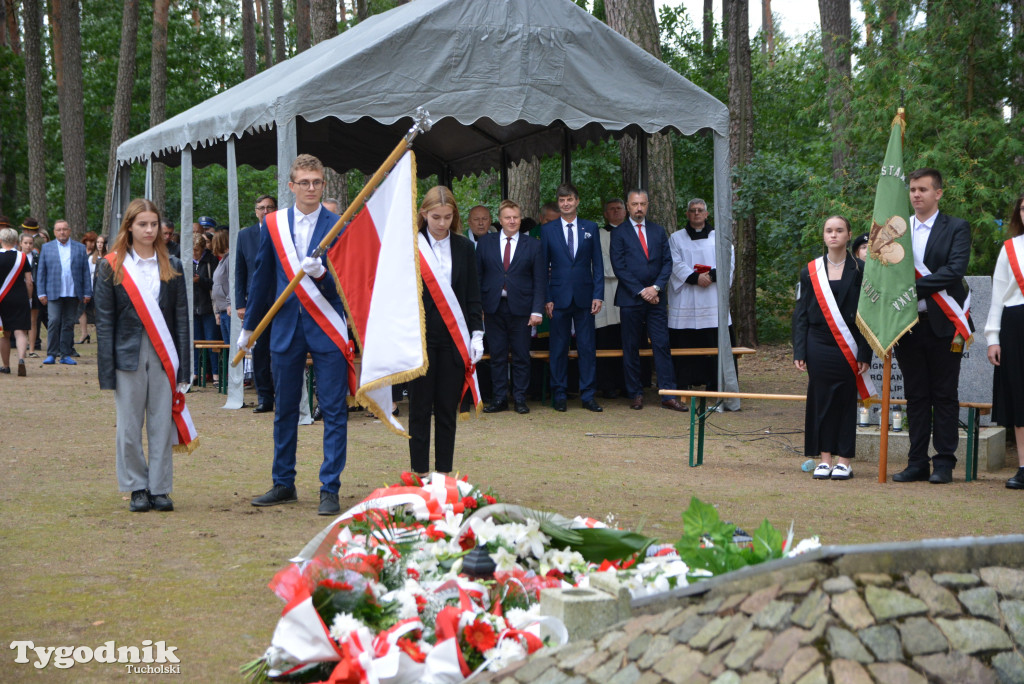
(243,339)
(183,387)
(476,347)
(313,267)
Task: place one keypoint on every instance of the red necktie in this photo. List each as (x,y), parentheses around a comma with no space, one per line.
(508,253)
(643,241)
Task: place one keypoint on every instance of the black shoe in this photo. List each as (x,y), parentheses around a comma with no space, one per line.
(497,407)
(1017,481)
(610,393)
(264,408)
(74,353)
(522,408)
(140,501)
(558,405)
(278,494)
(941,476)
(329,504)
(161,502)
(592,405)
(317,413)
(911,474)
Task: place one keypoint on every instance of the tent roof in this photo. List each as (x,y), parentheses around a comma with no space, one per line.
(523,76)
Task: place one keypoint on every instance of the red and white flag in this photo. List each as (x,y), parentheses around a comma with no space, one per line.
(376,264)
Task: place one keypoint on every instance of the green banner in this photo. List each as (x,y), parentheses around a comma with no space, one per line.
(888,297)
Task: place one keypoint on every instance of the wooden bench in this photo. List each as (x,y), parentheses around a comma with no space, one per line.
(700,412)
(222,375)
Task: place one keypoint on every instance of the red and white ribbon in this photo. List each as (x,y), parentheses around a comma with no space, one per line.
(313,301)
(451,313)
(1014,254)
(956,314)
(152,318)
(19,263)
(837,325)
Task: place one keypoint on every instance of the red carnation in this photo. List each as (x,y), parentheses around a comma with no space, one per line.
(411,480)
(421,603)
(433,534)
(335,585)
(490,499)
(468,540)
(480,636)
(413,572)
(469,502)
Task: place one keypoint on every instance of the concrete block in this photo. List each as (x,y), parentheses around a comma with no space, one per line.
(584,612)
(991,447)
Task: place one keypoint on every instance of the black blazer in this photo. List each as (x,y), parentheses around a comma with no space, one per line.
(465,285)
(202,298)
(808,312)
(946,255)
(246,248)
(119,330)
(526,278)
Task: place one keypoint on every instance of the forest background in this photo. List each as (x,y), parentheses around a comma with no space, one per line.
(810,114)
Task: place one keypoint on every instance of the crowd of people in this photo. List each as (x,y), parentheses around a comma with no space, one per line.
(505,289)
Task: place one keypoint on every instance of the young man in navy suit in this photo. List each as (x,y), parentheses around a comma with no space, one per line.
(245,267)
(512,290)
(643,263)
(313,322)
(575,293)
(929,354)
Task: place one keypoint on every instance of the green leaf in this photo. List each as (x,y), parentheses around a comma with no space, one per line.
(605,543)
(767,542)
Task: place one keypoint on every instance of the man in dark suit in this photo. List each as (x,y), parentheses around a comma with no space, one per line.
(311,320)
(245,268)
(63,282)
(575,293)
(929,354)
(512,290)
(642,263)
(173,248)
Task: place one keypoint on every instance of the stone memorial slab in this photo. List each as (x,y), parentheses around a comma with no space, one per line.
(975,370)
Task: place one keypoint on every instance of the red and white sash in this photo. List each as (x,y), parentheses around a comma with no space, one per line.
(5,287)
(837,325)
(956,314)
(148,309)
(1014,254)
(313,301)
(451,313)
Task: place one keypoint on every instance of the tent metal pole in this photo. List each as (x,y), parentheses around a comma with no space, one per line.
(148,191)
(236,374)
(287,150)
(723,250)
(186,236)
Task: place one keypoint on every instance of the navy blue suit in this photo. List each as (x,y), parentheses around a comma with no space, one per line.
(508,317)
(573,285)
(636,271)
(294,334)
(245,267)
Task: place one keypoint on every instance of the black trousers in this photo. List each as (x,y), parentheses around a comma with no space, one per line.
(931,376)
(438,393)
(262,377)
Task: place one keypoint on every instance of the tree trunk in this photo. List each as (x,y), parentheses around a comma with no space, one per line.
(709,28)
(33,23)
(248,39)
(362,11)
(67,55)
(12,37)
(323,15)
(302,40)
(637,21)
(768,29)
(158,93)
(279,47)
(1017,78)
(741,149)
(835,47)
(122,98)
(524,186)
(725,19)
(268,46)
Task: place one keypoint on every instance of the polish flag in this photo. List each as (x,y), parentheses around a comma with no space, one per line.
(376,263)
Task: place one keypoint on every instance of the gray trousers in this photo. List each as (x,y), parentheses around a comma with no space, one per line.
(62,314)
(144,395)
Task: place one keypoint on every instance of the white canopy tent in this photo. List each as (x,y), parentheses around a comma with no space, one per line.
(503,80)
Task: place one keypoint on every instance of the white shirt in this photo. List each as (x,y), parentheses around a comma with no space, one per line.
(304,225)
(1005,292)
(565,233)
(443,253)
(921,231)
(67,281)
(149,273)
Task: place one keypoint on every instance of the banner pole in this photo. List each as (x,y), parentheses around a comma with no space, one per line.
(421,124)
(883,423)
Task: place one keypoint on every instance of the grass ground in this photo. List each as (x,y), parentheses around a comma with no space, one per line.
(78,569)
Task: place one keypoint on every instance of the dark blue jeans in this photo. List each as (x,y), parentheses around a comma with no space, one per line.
(205,328)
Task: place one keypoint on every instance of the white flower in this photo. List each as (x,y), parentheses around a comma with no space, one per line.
(517,618)
(343,625)
(485,531)
(503,559)
(504,654)
(531,541)
(804,546)
(450,525)
(406,603)
(561,560)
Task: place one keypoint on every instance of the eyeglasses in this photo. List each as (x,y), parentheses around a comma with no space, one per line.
(268,207)
(306,185)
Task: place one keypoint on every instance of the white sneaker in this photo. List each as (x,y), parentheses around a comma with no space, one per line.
(823,471)
(841,472)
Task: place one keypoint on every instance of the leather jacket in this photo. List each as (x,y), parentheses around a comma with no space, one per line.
(119,330)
